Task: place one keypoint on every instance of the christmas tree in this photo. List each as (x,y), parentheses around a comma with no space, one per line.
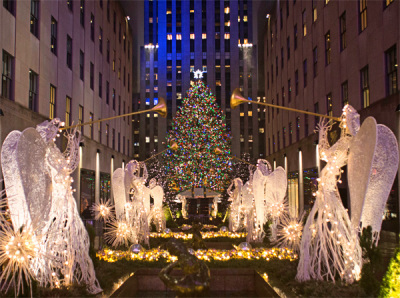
(202,158)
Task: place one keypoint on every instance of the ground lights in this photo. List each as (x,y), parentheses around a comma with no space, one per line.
(209,255)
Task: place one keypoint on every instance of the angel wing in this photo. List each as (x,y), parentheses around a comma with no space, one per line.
(259,179)
(35,176)
(157,193)
(13,181)
(119,193)
(361,155)
(384,169)
(276,186)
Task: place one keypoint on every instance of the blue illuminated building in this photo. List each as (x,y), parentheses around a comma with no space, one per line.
(215,37)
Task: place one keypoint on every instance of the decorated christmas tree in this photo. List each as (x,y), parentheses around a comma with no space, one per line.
(202,158)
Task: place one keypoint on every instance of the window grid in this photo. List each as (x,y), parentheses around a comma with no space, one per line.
(7,76)
(345,93)
(364,76)
(391,71)
(68,111)
(329,104)
(80,117)
(328,48)
(343,41)
(35,17)
(33,81)
(363,15)
(52,109)
(53,38)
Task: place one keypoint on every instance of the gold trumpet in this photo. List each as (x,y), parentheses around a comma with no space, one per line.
(172,145)
(160,108)
(237,99)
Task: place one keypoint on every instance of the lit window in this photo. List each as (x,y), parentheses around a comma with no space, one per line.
(244,18)
(179,37)
(204,36)
(227,36)
(169,36)
(228,24)
(238,18)
(191,35)
(147,139)
(169,12)
(241,114)
(150,20)
(226,10)
(250,113)
(52,101)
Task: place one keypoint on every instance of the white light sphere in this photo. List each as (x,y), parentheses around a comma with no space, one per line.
(191,251)
(167,231)
(244,246)
(136,248)
(223,229)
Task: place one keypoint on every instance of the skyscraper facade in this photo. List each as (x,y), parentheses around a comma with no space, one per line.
(71,60)
(318,57)
(215,37)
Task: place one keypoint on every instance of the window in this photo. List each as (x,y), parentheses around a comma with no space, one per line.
(81,65)
(108,51)
(290,133)
(391,71)
(113,63)
(345,94)
(113,138)
(119,142)
(115,22)
(80,117)
(297,129)
(68,111)
(7,76)
(296,81)
(363,15)
(123,144)
(364,77)
(9,5)
(315,14)
(108,10)
(315,62)
(304,23)
(82,13)
(289,90)
(343,42)
(113,99)
(69,52)
(107,92)
(91,75)
(107,138)
(52,110)
(288,47)
(305,72)
(295,37)
(33,87)
(92,27)
(388,2)
(91,118)
(328,48)
(316,111)
(119,105)
(100,85)
(35,17)
(101,40)
(329,104)
(69,4)
(53,37)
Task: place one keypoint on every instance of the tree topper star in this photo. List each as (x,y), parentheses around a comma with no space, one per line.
(198,74)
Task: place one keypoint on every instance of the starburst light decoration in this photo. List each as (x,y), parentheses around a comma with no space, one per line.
(102,210)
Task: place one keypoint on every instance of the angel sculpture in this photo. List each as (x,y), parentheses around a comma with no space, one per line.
(216,200)
(157,214)
(131,223)
(248,209)
(329,244)
(40,199)
(236,197)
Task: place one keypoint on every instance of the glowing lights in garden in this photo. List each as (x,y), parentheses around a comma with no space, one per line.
(156,254)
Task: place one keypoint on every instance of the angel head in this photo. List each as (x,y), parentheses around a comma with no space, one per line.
(264,166)
(350,120)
